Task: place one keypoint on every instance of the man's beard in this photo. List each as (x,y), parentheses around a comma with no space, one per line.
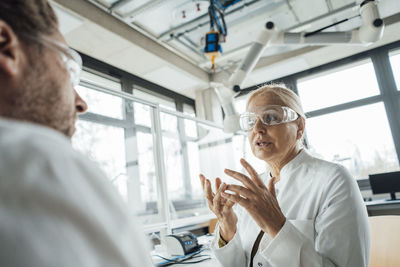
(40,98)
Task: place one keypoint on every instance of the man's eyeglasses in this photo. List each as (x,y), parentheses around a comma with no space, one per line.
(71,59)
(271,115)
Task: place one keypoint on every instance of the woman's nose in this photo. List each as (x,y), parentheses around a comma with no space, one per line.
(259,126)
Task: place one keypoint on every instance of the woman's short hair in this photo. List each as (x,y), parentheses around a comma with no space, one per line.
(287,96)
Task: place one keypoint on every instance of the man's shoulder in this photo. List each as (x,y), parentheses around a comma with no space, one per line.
(27,149)
(24,136)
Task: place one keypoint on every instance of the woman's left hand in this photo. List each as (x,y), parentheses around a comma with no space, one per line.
(259,201)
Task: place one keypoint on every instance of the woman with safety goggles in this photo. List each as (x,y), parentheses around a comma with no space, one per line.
(303,211)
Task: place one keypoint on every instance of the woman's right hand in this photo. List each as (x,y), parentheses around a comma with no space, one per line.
(221,207)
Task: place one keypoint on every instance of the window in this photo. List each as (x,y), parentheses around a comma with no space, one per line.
(240,104)
(101,103)
(123,149)
(395,62)
(190,125)
(143,179)
(98,102)
(104,145)
(142,114)
(100,80)
(342,85)
(163,101)
(358,138)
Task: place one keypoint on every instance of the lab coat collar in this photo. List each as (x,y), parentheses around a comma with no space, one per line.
(294,163)
(292,166)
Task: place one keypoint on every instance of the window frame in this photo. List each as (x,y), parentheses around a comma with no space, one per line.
(129,83)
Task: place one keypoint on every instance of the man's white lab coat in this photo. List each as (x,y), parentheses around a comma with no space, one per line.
(327,223)
(57,208)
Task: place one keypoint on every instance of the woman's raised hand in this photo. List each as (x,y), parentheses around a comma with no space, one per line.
(221,207)
(259,201)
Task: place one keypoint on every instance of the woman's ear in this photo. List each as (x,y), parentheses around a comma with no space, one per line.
(301,123)
(10,48)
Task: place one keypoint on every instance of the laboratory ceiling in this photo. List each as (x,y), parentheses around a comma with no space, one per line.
(163,40)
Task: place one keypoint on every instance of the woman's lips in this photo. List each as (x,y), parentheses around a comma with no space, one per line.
(263,143)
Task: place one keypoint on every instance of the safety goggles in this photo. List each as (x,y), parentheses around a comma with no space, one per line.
(271,115)
(71,59)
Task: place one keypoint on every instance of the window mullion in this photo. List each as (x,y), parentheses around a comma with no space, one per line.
(387,87)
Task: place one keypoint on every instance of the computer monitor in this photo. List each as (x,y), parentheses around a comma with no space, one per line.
(385,183)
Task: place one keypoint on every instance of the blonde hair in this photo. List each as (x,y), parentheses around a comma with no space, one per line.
(288,97)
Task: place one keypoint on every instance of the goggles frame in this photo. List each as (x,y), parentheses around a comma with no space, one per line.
(288,115)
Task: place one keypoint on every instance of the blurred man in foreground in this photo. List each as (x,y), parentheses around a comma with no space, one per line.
(56,207)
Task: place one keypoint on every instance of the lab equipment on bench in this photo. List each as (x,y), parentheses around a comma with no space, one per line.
(181,244)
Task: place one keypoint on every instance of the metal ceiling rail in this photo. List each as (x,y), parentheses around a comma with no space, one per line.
(204,20)
(328,14)
(142,8)
(118,4)
(191,46)
(297,26)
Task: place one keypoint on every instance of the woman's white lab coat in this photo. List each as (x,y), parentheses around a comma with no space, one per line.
(326,224)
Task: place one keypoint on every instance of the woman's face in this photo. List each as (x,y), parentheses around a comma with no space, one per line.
(272,143)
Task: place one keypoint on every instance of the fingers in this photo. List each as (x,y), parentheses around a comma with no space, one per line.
(217,183)
(202,180)
(236,198)
(218,199)
(253,174)
(240,190)
(271,186)
(208,193)
(246,181)
(208,190)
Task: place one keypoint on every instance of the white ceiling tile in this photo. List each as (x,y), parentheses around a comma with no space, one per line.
(67,21)
(135,60)
(173,79)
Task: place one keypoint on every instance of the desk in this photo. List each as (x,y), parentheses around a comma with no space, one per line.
(383,207)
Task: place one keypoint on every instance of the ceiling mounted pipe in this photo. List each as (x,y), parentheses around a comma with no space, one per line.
(370,31)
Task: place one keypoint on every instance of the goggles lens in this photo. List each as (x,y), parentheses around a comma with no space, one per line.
(272,115)
(73,64)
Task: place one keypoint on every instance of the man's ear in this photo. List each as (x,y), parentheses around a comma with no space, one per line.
(10,48)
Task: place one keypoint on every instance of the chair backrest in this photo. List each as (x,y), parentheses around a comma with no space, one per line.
(385,241)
